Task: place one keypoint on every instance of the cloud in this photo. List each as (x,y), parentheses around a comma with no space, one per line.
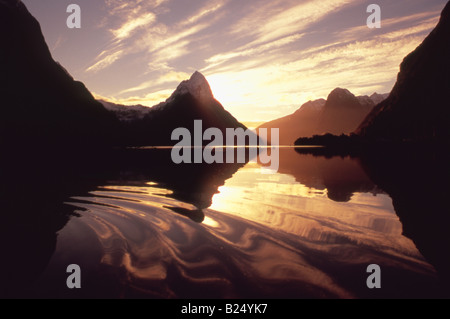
(125,22)
(104,60)
(210,8)
(261,58)
(141,28)
(129,26)
(363,66)
(248,52)
(398,26)
(277,19)
(149,100)
(169,77)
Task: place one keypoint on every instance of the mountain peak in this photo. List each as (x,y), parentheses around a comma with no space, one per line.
(197,86)
(342,98)
(340,93)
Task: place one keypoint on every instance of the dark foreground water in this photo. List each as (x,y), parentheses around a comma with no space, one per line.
(154,230)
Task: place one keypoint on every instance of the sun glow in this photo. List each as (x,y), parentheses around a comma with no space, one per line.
(226,89)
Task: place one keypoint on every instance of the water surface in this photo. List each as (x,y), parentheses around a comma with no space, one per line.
(231,231)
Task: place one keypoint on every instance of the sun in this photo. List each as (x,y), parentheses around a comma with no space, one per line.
(222,88)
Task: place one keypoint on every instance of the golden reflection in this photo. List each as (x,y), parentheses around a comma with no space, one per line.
(210,222)
(279,201)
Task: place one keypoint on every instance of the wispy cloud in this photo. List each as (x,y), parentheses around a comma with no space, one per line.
(105,59)
(126,29)
(262,58)
(362,61)
(172,77)
(125,22)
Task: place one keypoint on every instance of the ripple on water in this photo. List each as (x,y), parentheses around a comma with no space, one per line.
(148,250)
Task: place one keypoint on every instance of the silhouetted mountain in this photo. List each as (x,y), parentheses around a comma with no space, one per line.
(341,113)
(301,123)
(40,102)
(127,113)
(417,108)
(192,100)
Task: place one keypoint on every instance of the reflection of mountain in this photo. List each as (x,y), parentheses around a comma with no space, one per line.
(415,177)
(417,108)
(192,183)
(192,100)
(34,196)
(417,182)
(342,177)
(341,113)
(33,193)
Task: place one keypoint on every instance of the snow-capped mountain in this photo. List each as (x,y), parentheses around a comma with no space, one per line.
(197,86)
(127,113)
(192,100)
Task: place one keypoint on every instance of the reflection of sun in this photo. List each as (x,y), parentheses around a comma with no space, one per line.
(223,199)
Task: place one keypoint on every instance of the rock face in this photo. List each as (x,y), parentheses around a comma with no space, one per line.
(418,107)
(40,102)
(341,113)
(192,100)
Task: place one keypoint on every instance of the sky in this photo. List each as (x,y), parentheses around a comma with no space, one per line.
(262,58)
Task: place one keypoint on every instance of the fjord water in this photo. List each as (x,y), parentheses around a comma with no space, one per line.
(146,228)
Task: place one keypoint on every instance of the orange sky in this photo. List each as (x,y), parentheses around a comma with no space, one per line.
(262,58)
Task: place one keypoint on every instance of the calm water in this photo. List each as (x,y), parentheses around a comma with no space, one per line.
(309,230)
